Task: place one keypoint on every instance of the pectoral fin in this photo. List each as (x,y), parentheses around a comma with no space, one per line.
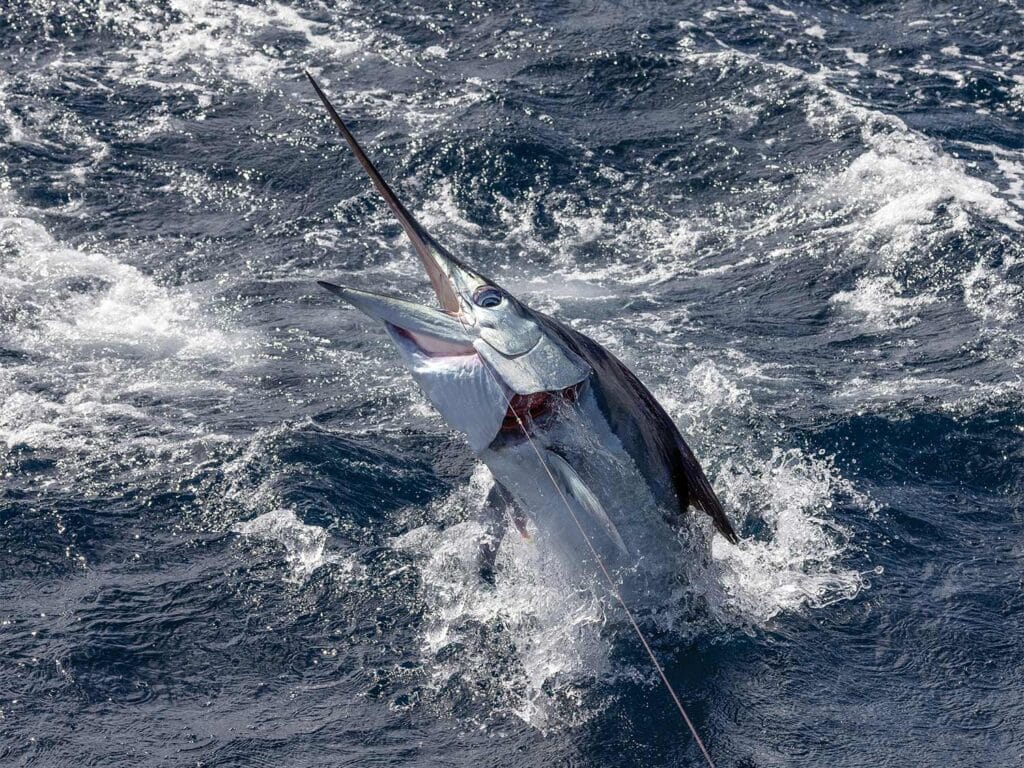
(499,508)
(576,489)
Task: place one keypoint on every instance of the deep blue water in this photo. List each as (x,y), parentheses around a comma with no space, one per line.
(234,533)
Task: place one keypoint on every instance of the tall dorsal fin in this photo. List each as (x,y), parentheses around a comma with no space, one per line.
(694,489)
(422,242)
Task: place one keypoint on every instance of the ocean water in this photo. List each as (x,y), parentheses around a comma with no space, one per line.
(232,531)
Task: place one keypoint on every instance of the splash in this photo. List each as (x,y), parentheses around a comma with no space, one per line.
(795,561)
(793,553)
(557,647)
(533,637)
(305,546)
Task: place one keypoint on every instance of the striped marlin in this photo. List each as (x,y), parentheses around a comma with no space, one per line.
(580,450)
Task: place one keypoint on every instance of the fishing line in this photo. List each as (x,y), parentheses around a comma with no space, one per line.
(612,588)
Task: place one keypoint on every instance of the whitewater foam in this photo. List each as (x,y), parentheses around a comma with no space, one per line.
(305,546)
(90,334)
(877,303)
(534,635)
(201,36)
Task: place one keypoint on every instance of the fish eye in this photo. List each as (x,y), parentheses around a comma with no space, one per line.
(488,297)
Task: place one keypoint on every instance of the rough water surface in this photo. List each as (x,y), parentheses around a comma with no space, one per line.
(233,532)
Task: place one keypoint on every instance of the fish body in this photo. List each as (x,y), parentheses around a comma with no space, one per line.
(583,456)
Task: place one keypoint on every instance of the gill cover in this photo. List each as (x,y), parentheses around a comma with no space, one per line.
(546,367)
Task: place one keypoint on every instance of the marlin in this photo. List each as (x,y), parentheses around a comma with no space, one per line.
(579,449)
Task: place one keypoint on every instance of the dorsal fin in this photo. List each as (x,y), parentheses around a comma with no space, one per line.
(422,242)
(702,496)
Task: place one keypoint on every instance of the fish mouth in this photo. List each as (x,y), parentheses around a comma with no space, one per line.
(523,414)
(431,332)
(526,411)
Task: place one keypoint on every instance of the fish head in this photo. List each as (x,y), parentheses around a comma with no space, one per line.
(482,357)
